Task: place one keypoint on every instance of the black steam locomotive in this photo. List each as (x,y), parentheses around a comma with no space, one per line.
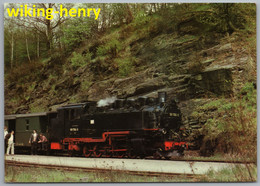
(118,128)
(109,128)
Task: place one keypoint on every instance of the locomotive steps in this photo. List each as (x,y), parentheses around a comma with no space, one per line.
(130,165)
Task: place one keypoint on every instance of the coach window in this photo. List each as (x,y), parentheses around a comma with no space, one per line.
(27,124)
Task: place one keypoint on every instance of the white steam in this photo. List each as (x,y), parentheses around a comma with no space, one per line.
(105,102)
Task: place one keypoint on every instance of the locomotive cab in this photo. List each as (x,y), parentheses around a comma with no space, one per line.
(171,117)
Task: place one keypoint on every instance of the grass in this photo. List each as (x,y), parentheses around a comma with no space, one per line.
(43,175)
(236,174)
(32,174)
(218,157)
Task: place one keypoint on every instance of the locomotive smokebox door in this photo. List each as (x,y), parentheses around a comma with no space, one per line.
(162,97)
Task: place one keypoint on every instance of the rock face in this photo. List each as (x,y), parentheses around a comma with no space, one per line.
(166,66)
(213,81)
(150,85)
(222,69)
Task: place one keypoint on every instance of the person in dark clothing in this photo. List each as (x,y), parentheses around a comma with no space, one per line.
(34,142)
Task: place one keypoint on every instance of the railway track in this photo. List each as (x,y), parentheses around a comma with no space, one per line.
(136,166)
(214,161)
(139,173)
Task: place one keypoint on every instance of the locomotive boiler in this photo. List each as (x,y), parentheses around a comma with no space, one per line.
(118,128)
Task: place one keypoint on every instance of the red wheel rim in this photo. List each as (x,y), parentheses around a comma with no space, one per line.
(97,153)
(108,154)
(120,154)
(131,155)
(86,152)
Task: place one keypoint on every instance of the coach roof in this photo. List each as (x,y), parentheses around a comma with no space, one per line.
(14,116)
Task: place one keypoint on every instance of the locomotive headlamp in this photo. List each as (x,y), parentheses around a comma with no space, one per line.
(164,131)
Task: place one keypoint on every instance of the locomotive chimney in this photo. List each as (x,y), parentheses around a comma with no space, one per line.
(162,97)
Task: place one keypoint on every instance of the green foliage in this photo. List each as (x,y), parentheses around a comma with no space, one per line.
(121,32)
(74,99)
(79,60)
(85,85)
(52,90)
(102,50)
(42,175)
(75,31)
(141,19)
(31,87)
(17,36)
(145,19)
(230,17)
(125,66)
(111,48)
(25,72)
(201,7)
(46,60)
(247,173)
(121,13)
(185,38)
(101,66)
(238,173)
(35,109)
(213,105)
(233,127)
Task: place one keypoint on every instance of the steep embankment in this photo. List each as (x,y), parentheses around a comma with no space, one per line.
(193,65)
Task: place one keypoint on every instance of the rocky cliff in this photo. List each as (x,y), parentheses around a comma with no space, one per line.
(192,69)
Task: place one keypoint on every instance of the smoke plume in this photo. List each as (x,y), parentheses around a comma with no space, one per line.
(105,102)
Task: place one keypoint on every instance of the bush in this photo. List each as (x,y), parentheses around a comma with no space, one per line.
(85,85)
(79,60)
(238,173)
(141,19)
(75,31)
(233,129)
(25,72)
(111,48)
(125,66)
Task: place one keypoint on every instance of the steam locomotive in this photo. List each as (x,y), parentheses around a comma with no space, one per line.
(115,128)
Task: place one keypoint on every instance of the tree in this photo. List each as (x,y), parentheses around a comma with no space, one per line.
(121,13)
(43,26)
(75,31)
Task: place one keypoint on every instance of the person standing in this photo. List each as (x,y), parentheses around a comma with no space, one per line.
(10,140)
(34,142)
(5,131)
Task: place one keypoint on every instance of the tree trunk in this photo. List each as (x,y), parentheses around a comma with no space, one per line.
(38,46)
(49,33)
(104,20)
(154,6)
(129,17)
(27,49)
(12,50)
(49,37)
